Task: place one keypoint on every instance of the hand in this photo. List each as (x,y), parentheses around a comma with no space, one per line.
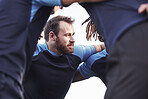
(57,8)
(143,8)
(100,47)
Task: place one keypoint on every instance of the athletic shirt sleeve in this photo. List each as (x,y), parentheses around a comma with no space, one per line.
(85,71)
(47,2)
(85,68)
(84,51)
(40,48)
(36,4)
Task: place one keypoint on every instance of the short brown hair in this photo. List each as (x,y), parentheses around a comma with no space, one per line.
(53,25)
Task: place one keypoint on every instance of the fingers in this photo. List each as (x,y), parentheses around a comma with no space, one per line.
(143,8)
(99,47)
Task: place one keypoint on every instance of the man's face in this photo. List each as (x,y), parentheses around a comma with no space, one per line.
(65,41)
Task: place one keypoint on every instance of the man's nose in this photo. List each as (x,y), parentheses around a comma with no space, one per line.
(72,39)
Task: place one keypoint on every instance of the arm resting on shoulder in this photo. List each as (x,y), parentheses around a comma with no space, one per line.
(68,2)
(99,48)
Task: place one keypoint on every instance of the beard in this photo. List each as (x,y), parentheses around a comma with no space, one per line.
(62,48)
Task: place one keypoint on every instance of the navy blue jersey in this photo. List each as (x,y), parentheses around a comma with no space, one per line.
(50,74)
(113,17)
(95,65)
(14,22)
(35,29)
(40,12)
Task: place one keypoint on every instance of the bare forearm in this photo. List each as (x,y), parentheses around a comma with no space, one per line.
(68,2)
(78,77)
(100,47)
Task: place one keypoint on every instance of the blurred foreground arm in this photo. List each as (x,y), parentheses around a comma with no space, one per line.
(68,2)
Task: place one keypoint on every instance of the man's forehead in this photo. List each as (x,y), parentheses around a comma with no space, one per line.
(65,26)
(61,23)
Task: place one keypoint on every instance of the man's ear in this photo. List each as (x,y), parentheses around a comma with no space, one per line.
(52,36)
